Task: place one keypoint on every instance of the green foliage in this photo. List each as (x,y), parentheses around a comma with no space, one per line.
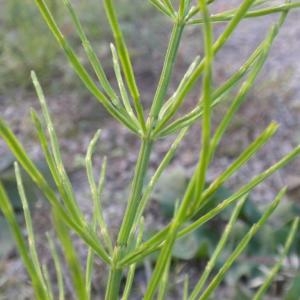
(195,202)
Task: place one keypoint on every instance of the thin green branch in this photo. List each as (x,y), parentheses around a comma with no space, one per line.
(163,261)
(217,97)
(48,282)
(71,256)
(29,227)
(241,247)
(63,181)
(39,287)
(241,11)
(80,70)
(123,92)
(80,228)
(58,268)
(255,61)
(218,250)
(162,166)
(205,102)
(132,268)
(155,242)
(246,86)
(169,103)
(129,219)
(162,8)
(164,282)
(97,192)
(185,288)
(169,5)
(125,60)
(227,16)
(94,60)
(166,73)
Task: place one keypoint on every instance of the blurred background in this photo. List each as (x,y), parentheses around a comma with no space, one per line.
(26,44)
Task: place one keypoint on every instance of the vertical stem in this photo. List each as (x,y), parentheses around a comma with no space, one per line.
(165,254)
(166,73)
(206,101)
(136,191)
(242,10)
(114,279)
(109,7)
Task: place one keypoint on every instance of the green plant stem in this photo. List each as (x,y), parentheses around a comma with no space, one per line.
(162,166)
(80,228)
(241,247)
(82,73)
(169,6)
(155,242)
(199,69)
(205,102)
(58,268)
(125,59)
(217,95)
(28,222)
(227,16)
(58,172)
(164,282)
(71,256)
(163,261)
(128,110)
(142,165)
(166,73)
(48,282)
(39,287)
(185,288)
(164,258)
(241,96)
(167,246)
(185,77)
(30,232)
(132,268)
(257,57)
(123,92)
(136,191)
(113,287)
(162,8)
(218,250)
(94,61)
(96,192)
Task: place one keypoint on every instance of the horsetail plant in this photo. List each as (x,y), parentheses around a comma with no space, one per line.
(130,248)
